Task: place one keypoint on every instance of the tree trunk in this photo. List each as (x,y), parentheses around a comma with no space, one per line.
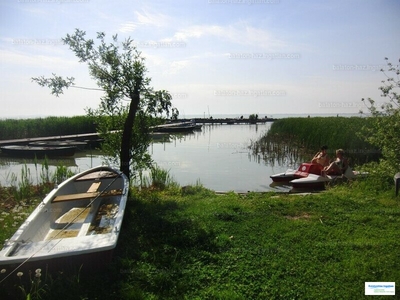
(126,143)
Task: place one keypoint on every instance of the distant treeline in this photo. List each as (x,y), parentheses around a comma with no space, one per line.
(41,127)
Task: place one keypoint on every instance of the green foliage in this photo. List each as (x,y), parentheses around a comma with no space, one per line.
(41,127)
(56,84)
(312,133)
(120,72)
(384,131)
(141,138)
(158,179)
(61,174)
(22,186)
(253,118)
(198,189)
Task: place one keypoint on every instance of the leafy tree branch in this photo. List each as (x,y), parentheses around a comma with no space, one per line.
(119,70)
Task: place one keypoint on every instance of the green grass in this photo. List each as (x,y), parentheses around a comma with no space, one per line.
(189,243)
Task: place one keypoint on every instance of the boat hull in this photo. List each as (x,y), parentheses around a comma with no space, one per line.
(32,151)
(302,172)
(313,181)
(284,177)
(78,223)
(79,145)
(176,127)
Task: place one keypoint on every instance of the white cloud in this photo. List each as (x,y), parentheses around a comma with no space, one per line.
(238,34)
(144,19)
(176,66)
(128,27)
(164,66)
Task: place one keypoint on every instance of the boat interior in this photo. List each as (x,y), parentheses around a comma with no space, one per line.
(86,206)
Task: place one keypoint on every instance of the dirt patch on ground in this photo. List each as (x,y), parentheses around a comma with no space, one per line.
(302,216)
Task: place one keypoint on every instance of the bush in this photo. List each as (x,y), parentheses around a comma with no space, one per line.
(385,127)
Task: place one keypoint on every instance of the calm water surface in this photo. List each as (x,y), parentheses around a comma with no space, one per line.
(218,157)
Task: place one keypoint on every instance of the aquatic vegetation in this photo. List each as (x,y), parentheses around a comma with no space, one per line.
(49,126)
(292,140)
(158,178)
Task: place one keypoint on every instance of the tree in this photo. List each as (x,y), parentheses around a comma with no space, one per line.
(385,131)
(253,118)
(119,71)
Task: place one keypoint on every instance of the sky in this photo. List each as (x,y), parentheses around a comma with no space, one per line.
(214,56)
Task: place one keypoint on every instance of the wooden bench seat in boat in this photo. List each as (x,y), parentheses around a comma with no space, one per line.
(87,195)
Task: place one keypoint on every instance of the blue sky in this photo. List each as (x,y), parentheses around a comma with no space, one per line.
(219,56)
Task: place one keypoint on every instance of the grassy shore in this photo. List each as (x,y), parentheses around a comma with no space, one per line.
(189,243)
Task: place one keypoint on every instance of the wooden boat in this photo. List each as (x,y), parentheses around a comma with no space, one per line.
(80,145)
(175,127)
(77,223)
(33,151)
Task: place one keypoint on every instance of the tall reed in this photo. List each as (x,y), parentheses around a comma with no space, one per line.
(304,136)
(158,178)
(22,186)
(49,126)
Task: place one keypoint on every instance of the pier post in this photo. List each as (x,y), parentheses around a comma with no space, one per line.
(397,183)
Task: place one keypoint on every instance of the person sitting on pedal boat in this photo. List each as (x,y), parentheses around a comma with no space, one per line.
(338,166)
(321,157)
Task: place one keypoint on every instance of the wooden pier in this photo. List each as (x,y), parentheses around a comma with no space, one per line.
(229,121)
(76,137)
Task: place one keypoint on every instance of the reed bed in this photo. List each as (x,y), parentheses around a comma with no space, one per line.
(49,126)
(293,139)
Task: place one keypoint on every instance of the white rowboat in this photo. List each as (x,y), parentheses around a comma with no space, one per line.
(77,223)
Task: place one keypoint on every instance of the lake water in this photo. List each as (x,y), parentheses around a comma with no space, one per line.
(218,157)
